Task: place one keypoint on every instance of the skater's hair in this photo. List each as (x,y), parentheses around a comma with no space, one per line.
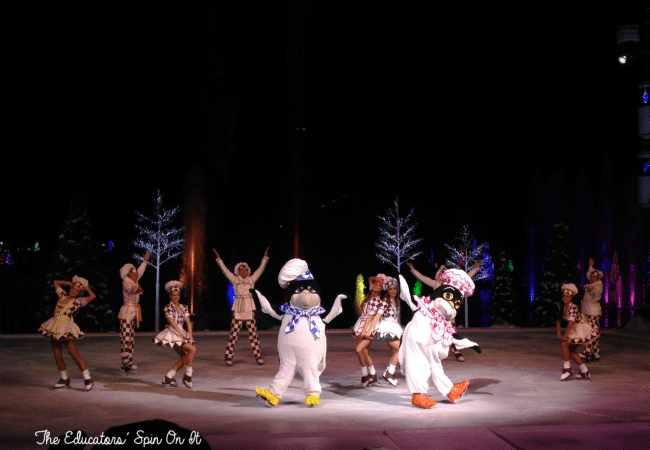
(385,295)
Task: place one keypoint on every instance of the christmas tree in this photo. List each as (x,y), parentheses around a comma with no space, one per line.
(504,306)
(396,239)
(558,269)
(79,253)
(162,240)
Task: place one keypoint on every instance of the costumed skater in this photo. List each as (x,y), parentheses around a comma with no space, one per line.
(591,308)
(302,344)
(434,284)
(130,314)
(174,336)
(428,336)
(243,307)
(389,328)
(578,332)
(373,308)
(63,332)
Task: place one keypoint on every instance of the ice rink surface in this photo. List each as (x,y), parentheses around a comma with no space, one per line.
(515,399)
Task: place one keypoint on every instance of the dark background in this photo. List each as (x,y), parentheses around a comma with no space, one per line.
(505,119)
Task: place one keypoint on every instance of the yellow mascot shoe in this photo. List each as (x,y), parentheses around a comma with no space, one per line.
(267,396)
(312,400)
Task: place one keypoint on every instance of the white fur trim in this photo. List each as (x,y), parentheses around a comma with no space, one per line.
(124,271)
(173,285)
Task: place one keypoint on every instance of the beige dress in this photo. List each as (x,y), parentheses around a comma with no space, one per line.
(61,327)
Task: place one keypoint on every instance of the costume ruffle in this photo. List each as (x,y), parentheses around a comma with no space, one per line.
(441,328)
(582,333)
(170,338)
(61,328)
(358,328)
(389,330)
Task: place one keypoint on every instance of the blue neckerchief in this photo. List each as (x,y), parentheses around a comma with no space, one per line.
(297,313)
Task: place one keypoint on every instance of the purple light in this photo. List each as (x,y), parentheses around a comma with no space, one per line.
(605,269)
(632,281)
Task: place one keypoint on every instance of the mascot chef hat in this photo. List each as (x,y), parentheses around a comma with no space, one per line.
(295,273)
(458,279)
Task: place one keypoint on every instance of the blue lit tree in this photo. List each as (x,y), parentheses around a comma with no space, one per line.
(396,240)
(161,239)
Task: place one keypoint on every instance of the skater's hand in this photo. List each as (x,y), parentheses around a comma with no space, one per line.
(266,253)
(217,254)
(410,264)
(147,256)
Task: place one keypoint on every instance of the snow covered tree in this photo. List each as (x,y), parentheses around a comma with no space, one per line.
(79,253)
(504,306)
(396,239)
(161,239)
(558,269)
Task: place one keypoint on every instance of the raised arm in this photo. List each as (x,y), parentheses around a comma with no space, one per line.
(143,265)
(475,269)
(260,269)
(426,280)
(224,269)
(60,283)
(91,295)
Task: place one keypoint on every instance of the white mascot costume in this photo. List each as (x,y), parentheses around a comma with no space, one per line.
(428,336)
(302,344)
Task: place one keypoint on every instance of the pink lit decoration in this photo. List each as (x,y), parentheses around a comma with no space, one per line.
(632,281)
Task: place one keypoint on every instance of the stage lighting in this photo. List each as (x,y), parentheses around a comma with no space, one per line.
(627,40)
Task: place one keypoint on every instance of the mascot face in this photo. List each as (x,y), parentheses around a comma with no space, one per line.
(446,300)
(305,294)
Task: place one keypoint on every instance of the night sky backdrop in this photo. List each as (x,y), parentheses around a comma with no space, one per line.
(503,119)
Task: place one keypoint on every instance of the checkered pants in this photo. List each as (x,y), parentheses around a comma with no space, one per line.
(593,348)
(127,341)
(235,328)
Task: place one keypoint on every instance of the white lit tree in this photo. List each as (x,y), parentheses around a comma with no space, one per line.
(396,240)
(466,256)
(461,258)
(161,239)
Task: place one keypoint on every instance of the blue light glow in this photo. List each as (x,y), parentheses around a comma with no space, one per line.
(230,295)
